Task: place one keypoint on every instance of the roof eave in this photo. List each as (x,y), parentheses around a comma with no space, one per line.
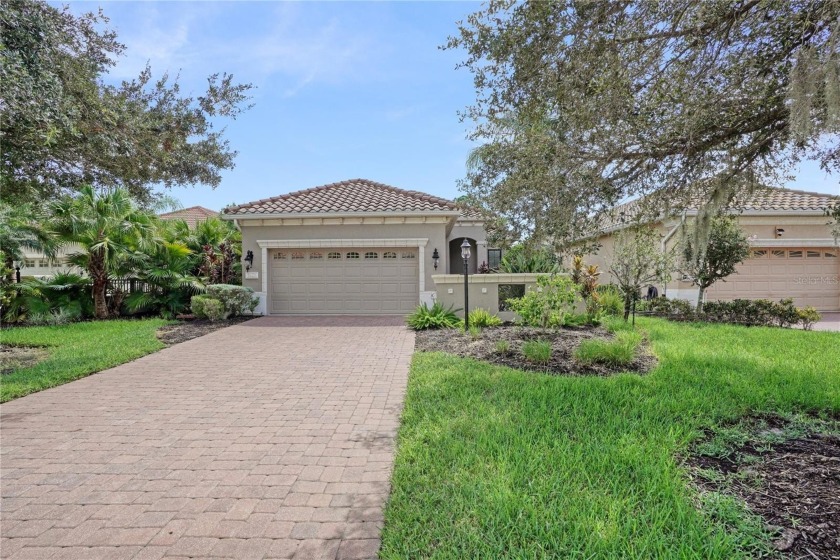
(297,215)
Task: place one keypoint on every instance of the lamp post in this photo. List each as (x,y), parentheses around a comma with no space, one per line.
(465,253)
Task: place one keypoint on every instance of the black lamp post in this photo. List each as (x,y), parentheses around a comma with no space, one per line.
(465,253)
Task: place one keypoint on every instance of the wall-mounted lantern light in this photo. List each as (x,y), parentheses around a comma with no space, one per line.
(779,232)
(465,253)
(435,258)
(249,260)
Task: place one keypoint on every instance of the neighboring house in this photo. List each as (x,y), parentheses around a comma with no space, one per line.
(354,247)
(191,215)
(793,251)
(38,265)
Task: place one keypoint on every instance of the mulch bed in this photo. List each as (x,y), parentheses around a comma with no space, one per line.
(564,342)
(187,330)
(794,486)
(13,358)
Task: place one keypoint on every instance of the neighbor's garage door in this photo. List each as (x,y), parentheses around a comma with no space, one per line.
(809,276)
(343,281)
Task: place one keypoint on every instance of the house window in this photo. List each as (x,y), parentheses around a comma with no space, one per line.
(813,254)
(509,291)
(795,254)
(777,254)
(316,255)
(759,253)
(333,255)
(830,255)
(371,255)
(408,255)
(298,255)
(494,258)
(279,256)
(389,255)
(352,255)
(29,263)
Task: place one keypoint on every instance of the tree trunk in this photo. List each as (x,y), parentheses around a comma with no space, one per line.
(628,304)
(99,277)
(700,294)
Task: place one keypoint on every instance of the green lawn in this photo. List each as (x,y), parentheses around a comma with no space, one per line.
(497,463)
(76,350)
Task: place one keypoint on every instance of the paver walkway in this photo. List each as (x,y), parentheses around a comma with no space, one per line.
(270,439)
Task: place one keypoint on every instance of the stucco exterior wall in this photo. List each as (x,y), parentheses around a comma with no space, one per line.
(475,232)
(483,291)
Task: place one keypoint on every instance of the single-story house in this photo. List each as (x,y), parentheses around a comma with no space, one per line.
(191,215)
(353,247)
(793,252)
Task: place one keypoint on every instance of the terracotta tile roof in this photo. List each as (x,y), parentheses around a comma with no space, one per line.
(191,215)
(763,199)
(354,195)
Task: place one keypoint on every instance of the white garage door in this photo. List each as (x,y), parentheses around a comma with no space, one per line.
(811,276)
(344,281)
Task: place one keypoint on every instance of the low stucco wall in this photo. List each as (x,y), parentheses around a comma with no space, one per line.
(483,290)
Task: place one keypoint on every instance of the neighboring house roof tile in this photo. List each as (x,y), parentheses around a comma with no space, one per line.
(763,199)
(354,195)
(191,215)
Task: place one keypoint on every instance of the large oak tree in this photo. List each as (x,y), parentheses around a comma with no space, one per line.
(62,125)
(583,104)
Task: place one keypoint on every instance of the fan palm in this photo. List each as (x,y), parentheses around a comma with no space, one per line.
(104,226)
(167,271)
(20,229)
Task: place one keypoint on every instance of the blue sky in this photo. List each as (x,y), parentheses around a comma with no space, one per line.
(344,90)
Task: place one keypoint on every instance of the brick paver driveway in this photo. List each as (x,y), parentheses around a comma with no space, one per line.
(270,439)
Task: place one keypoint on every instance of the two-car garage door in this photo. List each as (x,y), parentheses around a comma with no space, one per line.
(811,276)
(344,281)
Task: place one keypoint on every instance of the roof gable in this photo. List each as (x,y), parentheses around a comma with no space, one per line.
(191,215)
(347,197)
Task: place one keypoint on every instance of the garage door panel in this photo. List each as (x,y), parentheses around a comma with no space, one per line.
(808,276)
(327,284)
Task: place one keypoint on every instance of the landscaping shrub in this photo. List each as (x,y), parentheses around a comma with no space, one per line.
(475,332)
(64,297)
(549,305)
(214,309)
(611,300)
(519,259)
(537,351)
(434,317)
(747,312)
(235,299)
(502,346)
(54,317)
(807,317)
(197,304)
(618,352)
(482,318)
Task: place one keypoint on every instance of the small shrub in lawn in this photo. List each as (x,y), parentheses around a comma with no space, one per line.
(502,347)
(475,332)
(482,318)
(537,351)
(435,317)
(807,317)
(618,352)
(235,299)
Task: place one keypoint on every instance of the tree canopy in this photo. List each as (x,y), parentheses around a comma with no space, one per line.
(584,104)
(62,125)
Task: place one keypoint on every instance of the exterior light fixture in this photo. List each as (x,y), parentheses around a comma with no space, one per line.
(465,253)
(435,258)
(249,260)
(779,232)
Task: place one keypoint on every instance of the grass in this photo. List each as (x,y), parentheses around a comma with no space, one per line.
(537,351)
(498,463)
(75,351)
(621,351)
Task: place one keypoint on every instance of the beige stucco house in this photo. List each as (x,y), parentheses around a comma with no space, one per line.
(353,247)
(793,251)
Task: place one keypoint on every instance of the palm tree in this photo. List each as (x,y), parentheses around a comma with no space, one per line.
(20,229)
(104,226)
(167,270)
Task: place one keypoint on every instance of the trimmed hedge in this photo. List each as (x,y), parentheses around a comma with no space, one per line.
(747,312)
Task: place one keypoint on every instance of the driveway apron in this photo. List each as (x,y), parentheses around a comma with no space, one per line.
(270,439)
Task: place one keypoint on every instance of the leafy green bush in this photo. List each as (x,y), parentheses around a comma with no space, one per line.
(65,295)
(807,317)
(549,305)
(502,346)
(482,318)
(197,304)
(620,351)
(537,351)
(520,259)
(235,299)
(214,309)
(434,317)
(611,300)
